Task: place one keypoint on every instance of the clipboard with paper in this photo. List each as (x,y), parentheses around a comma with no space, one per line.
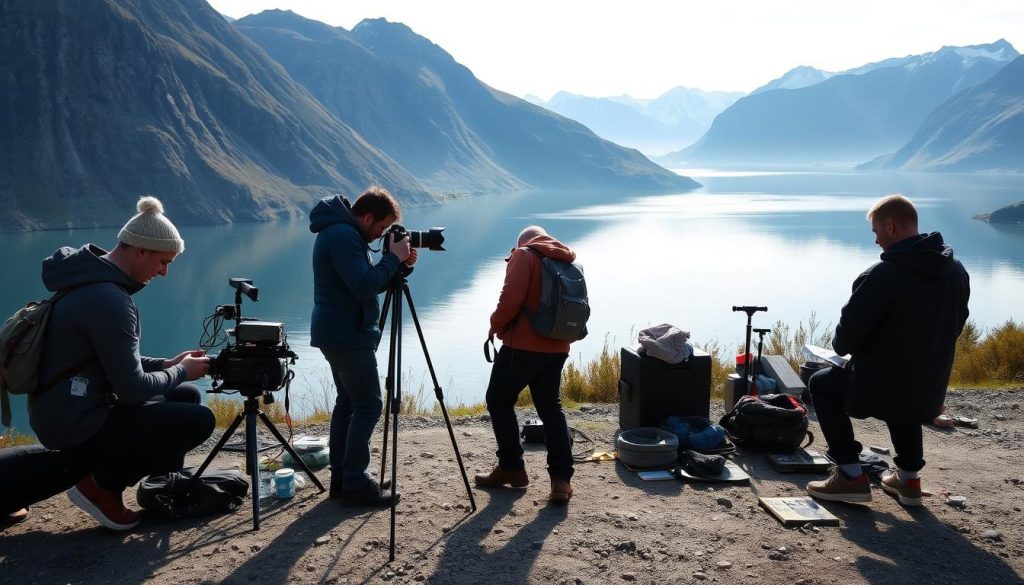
(825,355)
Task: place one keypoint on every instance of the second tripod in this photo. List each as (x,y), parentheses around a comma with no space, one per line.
(398,290)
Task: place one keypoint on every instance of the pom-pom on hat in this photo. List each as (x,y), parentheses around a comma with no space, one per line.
(150,229)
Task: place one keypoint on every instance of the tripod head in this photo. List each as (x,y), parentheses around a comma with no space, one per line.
(762,332)
(749,309)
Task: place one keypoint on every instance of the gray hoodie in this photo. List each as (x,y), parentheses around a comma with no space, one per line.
(98,320)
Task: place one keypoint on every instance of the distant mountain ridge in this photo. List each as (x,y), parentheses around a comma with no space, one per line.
(655,126)
(102,103)
(847,118)
(980,129)
(454,133)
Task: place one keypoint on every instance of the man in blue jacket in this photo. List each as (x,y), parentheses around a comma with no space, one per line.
(900,327)
(109,409)
(346,311)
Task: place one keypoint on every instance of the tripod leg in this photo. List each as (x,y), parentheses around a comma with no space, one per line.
(253,463)
(220,445)
(440,395)
(291,451)
(394,385)
(389,378)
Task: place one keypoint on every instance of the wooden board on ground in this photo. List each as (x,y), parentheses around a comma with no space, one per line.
(798,511)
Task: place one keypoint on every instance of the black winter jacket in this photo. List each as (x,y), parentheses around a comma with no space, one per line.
(900,326)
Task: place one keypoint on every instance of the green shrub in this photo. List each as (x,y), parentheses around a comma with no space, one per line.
(995,359)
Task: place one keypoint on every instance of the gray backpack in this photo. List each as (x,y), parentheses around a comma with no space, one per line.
(563,310)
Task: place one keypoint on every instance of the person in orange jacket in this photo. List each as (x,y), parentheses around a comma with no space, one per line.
(528,359)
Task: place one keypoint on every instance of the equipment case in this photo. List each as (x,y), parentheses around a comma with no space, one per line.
(650,389)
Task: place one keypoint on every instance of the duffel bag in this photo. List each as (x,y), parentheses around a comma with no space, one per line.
(769,422)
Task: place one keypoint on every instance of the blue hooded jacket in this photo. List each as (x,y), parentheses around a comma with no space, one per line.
(345,280)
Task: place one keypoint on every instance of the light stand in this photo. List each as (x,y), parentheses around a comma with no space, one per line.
(749,310)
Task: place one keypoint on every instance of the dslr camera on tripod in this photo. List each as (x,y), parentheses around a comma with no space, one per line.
(430,239)
(256,361)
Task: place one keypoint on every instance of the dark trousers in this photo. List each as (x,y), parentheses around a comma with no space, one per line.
(146,439)
(514,370)
(356,412)
(168,427)
(829,388)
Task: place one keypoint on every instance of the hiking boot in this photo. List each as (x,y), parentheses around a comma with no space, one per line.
(907,492)
(337,486)
(839,488)
(369,495)
(499,477)
(104,506)
(561,491)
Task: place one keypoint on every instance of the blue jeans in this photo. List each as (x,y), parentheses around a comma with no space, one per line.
(829,387)
(514,370)
(356,412)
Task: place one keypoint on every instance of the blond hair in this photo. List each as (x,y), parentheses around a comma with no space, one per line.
(894,207)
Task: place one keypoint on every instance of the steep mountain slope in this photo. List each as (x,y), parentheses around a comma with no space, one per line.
(981,129)
(101,102)
(415,102)
(848,117)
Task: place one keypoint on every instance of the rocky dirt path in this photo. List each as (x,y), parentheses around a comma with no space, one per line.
(617,528)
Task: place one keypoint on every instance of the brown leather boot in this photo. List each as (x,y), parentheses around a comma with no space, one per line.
(561,491)
(499,477)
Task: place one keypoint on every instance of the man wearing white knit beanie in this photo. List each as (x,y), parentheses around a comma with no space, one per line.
(114,412)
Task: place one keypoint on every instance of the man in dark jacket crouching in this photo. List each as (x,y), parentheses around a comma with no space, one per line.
(900,327)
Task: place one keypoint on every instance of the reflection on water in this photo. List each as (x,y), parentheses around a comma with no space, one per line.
(791,241)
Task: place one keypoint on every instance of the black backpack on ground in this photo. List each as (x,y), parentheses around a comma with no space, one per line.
(770,422)
(216,492)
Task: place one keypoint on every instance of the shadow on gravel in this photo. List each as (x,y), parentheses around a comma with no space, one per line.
(918,549)
(505,557)
(277,557)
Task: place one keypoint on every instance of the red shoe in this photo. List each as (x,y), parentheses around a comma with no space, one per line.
(104,506)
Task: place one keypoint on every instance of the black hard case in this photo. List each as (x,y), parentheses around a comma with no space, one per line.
(650,389)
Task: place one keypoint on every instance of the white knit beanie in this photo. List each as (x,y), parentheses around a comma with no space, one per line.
(150,229)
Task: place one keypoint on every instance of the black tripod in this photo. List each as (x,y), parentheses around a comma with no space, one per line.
(749,310)
(250,412)
(397,289)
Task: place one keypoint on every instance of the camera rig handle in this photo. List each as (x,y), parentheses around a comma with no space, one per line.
(749,310)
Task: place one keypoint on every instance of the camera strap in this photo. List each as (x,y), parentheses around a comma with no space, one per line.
(488,346)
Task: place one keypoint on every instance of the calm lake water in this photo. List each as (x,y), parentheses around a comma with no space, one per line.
(793,242)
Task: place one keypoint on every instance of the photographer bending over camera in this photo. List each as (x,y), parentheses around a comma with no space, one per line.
(119,414)
(346,312)
(527,359)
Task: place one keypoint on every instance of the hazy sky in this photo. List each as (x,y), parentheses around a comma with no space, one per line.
(645,47)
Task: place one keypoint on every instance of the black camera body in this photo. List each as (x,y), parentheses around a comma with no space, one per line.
(255,357)
(251,368)
(430,239)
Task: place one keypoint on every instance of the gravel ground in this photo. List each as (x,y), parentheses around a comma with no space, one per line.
(616,529)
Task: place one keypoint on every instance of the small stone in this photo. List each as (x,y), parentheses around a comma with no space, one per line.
(699,576)
(724,565)
(724,502)
(629,576)
(957,501)
(992,535)
(427,455)
(322,540)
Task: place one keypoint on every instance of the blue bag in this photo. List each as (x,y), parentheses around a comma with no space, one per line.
(695,432)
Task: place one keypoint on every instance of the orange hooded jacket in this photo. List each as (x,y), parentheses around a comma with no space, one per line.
(522,289)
